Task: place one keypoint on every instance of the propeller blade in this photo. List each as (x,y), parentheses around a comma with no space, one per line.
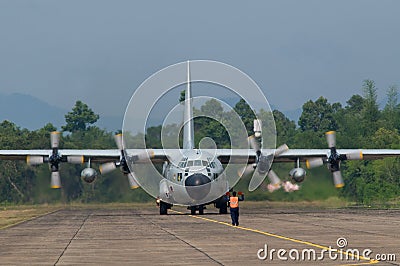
(256,180)
(107,167)
(246,170)
(331,138)
(315,162)
(254,144)
(54,139)
(337,179)
(275,181)
(55,180)
(132,182)
(357,155)
(281,149)
(76,159)
(118,141)
(257,127)
(273,178)
(34,160)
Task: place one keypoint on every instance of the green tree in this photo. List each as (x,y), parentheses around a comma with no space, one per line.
(243,109)
(182,96)
(212,108)
(370,112)
(392,95)
(355,104)
(391,112)
(209,123)
(319,116)
(79,118)
(285,128)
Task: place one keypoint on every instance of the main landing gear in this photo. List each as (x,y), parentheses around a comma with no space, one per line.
(222,205)
(163,207)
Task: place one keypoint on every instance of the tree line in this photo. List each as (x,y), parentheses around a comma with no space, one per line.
(359,124)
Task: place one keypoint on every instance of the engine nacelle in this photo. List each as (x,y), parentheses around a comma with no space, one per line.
(264,163)
(88,175)
(297,174)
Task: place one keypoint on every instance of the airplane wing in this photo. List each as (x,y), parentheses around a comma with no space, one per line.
(94,155)
(245,155)
(224,155)
(112,158)
(312,157)
(22,154)
(304,154)
(99,156)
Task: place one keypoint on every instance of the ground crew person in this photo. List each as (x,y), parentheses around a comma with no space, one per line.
(234,206)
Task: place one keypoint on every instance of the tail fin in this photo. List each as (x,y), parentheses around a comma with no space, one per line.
(188,127)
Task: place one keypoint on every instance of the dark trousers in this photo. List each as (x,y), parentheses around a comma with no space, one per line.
(235,216)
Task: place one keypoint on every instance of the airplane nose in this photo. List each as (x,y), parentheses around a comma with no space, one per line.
(198,186)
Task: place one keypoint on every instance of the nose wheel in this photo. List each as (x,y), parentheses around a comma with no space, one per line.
(200,208)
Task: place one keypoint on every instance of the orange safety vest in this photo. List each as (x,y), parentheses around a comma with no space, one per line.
(234,202)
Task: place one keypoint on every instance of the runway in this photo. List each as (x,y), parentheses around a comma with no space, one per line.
(138,235)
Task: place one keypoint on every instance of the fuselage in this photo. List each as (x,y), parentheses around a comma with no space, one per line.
(196,178)
(193,177)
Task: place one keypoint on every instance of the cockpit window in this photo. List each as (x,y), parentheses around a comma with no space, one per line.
(181,164)
(195,163)
(212,165)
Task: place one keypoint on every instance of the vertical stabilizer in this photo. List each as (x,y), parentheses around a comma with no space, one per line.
(188,128)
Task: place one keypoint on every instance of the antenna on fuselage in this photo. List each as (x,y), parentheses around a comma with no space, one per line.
(188,127)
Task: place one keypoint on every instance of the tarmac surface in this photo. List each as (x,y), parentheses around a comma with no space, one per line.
(140,236)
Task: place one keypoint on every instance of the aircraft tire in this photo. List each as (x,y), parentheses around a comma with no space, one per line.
(223,209)
(201,209)
(163,208)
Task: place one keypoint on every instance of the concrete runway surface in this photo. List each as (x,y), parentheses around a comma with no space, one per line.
(139,236)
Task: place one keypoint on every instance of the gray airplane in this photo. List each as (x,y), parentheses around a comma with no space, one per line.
(196,177)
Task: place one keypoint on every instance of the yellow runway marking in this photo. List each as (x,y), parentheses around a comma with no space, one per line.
(358,257)
(363,263)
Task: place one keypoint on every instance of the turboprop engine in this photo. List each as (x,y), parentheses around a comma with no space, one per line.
(297,174)
(88,175)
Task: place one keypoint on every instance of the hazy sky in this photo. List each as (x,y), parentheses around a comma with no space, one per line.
(101,51)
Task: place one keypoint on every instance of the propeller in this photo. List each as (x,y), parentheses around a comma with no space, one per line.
(334,159)
(54,160)
(261,167)
(110,166)
(122,163)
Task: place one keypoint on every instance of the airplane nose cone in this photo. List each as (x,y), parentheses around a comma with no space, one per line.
(198,186)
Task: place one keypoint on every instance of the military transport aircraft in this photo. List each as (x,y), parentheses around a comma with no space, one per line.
(197,179)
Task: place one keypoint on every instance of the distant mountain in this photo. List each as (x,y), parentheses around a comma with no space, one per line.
(29,112)
(32,113)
